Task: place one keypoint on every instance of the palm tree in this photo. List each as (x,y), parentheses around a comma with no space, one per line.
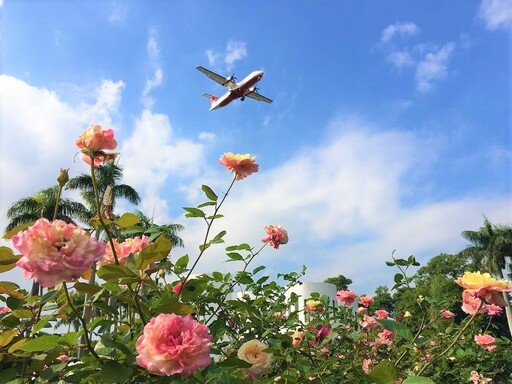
(107,178)
(154,231)
(42,204)
(490,247)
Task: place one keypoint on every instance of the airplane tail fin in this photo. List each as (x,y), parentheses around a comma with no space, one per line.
(212,98)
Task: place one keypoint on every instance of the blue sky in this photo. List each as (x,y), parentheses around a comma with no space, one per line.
(390,127)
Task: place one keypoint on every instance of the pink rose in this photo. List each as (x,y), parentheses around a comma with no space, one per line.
(471,304)
(178,288)
(385,338)
(252,352)
(174,345)
(63,358)
(56,252)
(447,314)
(241,165)
(493,310)
(276,236)
(94,141)
(476,378)
(4,310)
(368,323)
(347,297)
(366,301)
(367,365)
(487,342)
(381,314)
(124,249)
(321,332)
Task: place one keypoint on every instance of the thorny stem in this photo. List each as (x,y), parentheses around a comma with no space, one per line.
(453,342)
(208,228)
(82,321)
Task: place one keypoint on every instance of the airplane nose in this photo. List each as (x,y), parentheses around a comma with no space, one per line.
(260,74)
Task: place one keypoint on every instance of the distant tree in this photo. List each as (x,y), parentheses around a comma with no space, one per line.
(383,299)
(491,251)
(341,282)
(42,205)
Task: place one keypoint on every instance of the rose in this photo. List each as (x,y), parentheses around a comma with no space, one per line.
(252,352)
(447,314)
(172,344)
(241,165)
(124,249)
(487,342)
(484,286)
(54,252)
(381,314)
(297,338)
(346,297)
(314,306)
(94,141)
(366,301)
(276,236)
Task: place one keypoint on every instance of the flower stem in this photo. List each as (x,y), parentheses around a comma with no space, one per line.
(82,321)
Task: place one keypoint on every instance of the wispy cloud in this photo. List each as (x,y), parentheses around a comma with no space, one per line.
(433,67)
(1,3)
(234,51)
(496,13)
(400,59)
(153,51)
(118,11)
(398,29)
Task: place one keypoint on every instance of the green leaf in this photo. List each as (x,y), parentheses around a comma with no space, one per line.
(182,263)
(234,363)
(113,272)
(7,336)
(384,373)
(176,307)
(114,372)
(7,259)
(239,247)
(207,204)
(41,324)
(69,338)
(153,253)
(193,212)
(7,375)
(41,343)
(234,256)
(22,313)
(398,278)
(128,220)
(218,239)
(87,288)
(9,234)
(418,380)
(209,193)
(204,246)
(398,328)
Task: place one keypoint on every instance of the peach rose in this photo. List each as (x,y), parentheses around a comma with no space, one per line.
(366,301)
(94,141)
(297,338)
(487,342)
(484,286)
(447,314)
(174,345)
(252,352)
(54,252)
(276,236)
(124,249)
(347,297)
(241,165)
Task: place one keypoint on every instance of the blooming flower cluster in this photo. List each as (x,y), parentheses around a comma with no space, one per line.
(276,236)
(174,345)
(54,252)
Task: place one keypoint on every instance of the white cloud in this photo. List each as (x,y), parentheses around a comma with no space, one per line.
(496,13)
(433,67)
(153,51)
(400,59)
(39,133)
(1,3)
(119,11)
(234,51)
(400,29)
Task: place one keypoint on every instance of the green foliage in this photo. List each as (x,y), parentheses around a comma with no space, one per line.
(341,282)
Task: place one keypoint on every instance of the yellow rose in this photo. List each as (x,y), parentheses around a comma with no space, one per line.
(477,280)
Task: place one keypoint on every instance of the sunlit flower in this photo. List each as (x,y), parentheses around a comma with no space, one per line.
(381,314)
(124,249)
(487,342)
(54,252)
(447,314)
(297,338)
(276,236)
(174,345)
(484,286)
(241,165)
(366,301)
(94,141)
(346,297)
(314,306)
(252,352)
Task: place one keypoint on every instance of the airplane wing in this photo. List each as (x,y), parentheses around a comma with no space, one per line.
(215,77)
(257,96)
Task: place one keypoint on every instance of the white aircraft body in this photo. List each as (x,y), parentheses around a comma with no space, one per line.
(241,90)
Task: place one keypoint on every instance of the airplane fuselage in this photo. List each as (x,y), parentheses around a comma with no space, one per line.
(240,90)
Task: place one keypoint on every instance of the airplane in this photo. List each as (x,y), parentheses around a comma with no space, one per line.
(241,90)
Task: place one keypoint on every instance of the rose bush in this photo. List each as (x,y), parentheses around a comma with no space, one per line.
(144,316)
